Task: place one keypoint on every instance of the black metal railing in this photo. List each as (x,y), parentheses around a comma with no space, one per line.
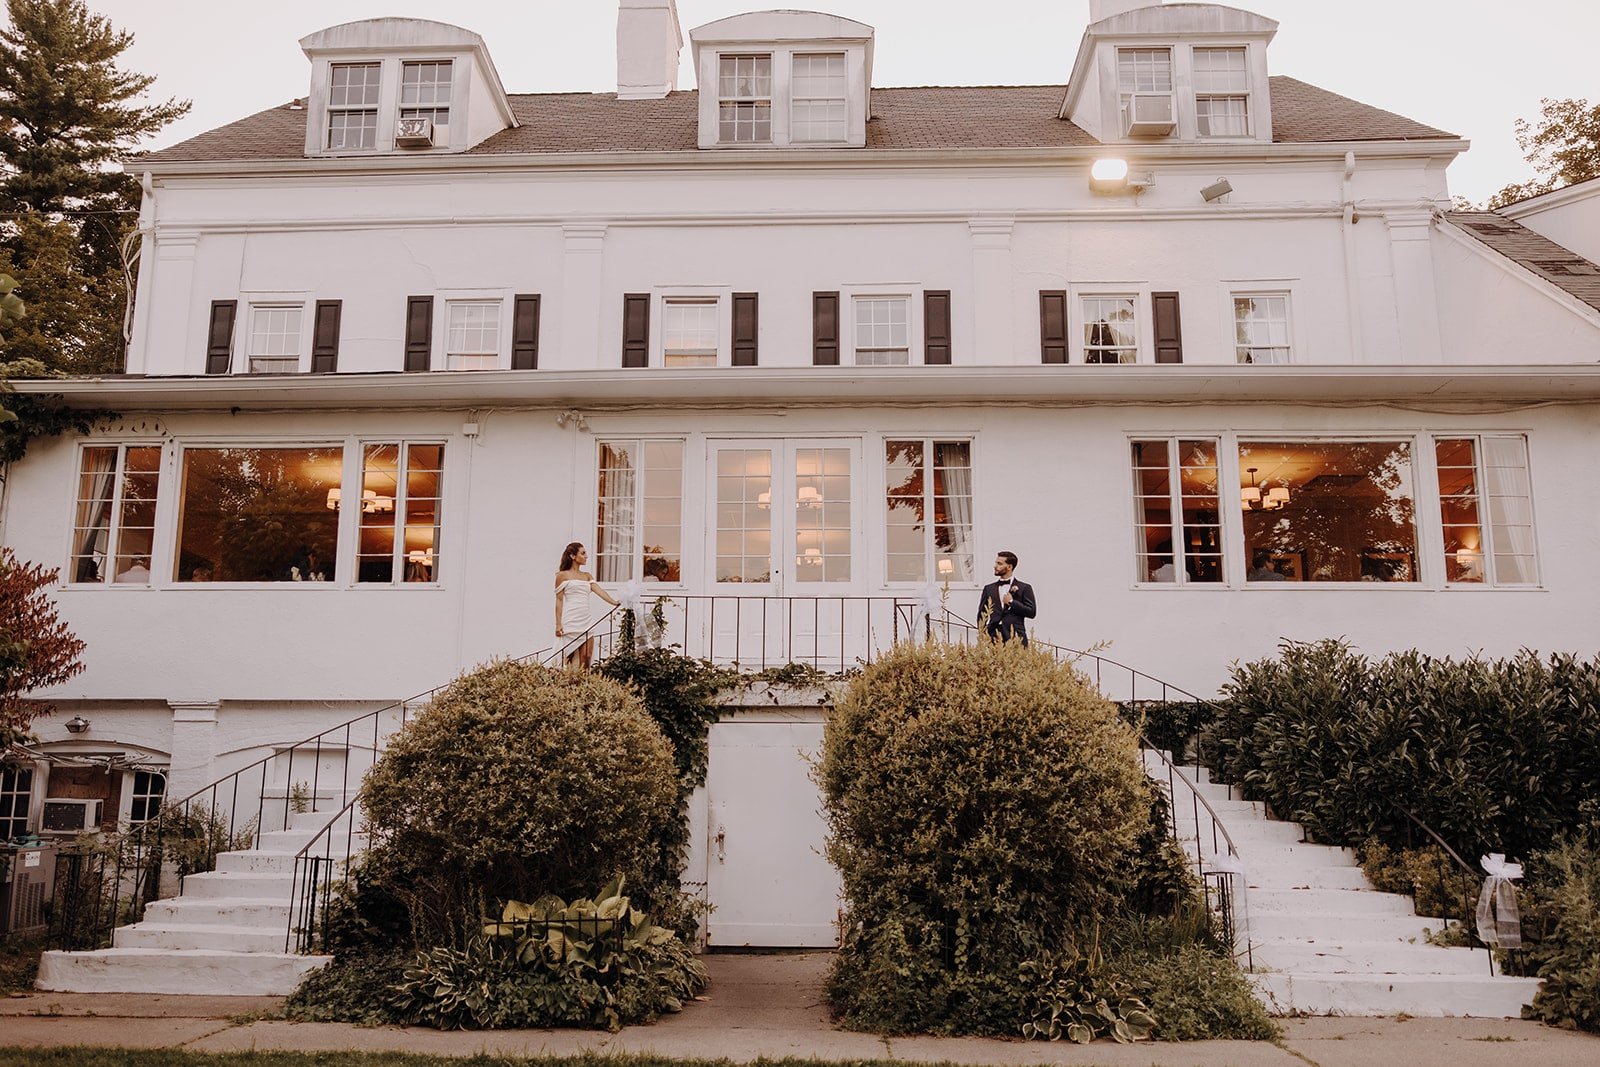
(1454,888)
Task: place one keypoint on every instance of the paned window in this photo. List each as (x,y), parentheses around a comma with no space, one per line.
(744,515)
(1221,92)
(639,529)
(1110,330)
(1143,70)
(1328,511)
(149,787)
(822,521)
(16,791)
(1486,507)
(817,105)
(1261,328)
(928,510)
(353,105)
(883,330)
(115,518)
(689,332)
(275,339)
(744,99)
(472,335)
(425,91)
(1177,516)
(401,488)
(260,514)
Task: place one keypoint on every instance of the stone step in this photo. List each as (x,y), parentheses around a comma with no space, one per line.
(1265,926)
(217,885)
(1367,957)
(1271,853)
(1308,903)
(283,840)
(232,911)
(255,861)
(156,970)
(1304,876)
(212,936)
(1433,995)
(1248,830)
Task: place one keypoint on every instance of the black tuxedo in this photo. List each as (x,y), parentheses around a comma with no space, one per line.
(1007,622)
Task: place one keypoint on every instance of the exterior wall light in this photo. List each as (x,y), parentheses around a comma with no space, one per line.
(77,725)
(1216,190)
(1112,176)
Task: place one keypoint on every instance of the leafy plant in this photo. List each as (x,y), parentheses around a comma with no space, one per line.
(36,648)
(450,988)
(300,798)
(1070,998)
(1565,903)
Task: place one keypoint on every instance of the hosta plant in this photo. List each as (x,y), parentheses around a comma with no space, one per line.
(1069,998)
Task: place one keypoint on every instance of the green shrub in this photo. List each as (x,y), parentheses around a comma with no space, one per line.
(515,782)
(1072,997)
(980,802)
(351,989)
(1170,725)
(1566,889)
(1438,885)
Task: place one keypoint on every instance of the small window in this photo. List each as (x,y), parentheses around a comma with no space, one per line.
(1261,327)
(472,335)
(689,332)
(883,330)
(817,104)
(260,514)
(1478,474)
(274,339)
(1221,92)
(928,510)
(149,787)
(16,792)
(425,91)
(1110,329)
(1177,514)
(401,488)
(353,105)
(744,99)
(1143,70)
(115,519)
(639,529)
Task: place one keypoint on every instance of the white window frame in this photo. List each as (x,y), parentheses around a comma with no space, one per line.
(1077,321)
(441,324)
(911,293)
(164,497)
(1291,350)
(397,551)
(721,295)
(1246,93)
(878,484)
(771,98)
(262,304)
(1486,545)
(1180,578)
(843,100)
(861,300)
(688,458)
(376,109)
(401,107)
(711,306)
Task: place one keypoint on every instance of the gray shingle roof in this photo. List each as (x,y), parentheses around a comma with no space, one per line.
(1559,266)
(921,117)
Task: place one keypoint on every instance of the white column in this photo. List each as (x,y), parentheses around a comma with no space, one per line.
(163,342)
(1415,297)
(993,334)
(194,738)
(581,313)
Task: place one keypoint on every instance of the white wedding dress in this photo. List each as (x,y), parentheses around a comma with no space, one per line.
(576,598)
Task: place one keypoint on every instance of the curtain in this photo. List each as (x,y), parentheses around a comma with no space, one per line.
(952,468)
(614,539)
(93,534)
(1505,462)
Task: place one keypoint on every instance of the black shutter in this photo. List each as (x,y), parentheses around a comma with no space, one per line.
(419,332)
(325,337)
(825,329)
(219,341)
(1053,325)
(525,332)
(936,326)
(1168,327)
(635,329)
(746,324)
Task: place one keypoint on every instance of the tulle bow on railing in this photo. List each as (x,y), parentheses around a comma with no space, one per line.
(1499,923)
(929,606)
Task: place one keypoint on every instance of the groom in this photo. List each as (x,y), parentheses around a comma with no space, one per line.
(1006,602)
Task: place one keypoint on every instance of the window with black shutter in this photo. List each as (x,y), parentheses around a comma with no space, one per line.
(635,329)
(419,332)
(936,326)
(525,332)
(1168,327)
(825,329)
(1053,325)
(746,327)
(325,337)
(219,338)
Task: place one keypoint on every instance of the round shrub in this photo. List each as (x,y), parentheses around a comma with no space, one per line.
(981,802)
(515,782)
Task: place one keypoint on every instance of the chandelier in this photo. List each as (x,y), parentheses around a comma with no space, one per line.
(1256,497)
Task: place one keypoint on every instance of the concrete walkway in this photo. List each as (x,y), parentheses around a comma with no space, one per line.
(771,1006)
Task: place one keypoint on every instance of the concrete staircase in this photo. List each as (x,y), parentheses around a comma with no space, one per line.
(1323,941)
(223,935)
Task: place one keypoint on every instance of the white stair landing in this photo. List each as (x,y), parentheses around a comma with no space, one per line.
(225,935)
(1322,940)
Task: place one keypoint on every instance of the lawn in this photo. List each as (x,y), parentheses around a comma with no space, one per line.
(103,1057)
(19,962)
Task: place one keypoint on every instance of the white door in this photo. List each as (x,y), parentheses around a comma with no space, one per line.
(786,534)
(767,880)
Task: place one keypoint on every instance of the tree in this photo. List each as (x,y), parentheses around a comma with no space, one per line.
(1564,149)
(36,647)
(68,113)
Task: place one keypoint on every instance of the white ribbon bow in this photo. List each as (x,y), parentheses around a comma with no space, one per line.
(1223,863)
(1499,923)
(927,609)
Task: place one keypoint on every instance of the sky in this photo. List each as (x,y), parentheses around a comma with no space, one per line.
(1472,67)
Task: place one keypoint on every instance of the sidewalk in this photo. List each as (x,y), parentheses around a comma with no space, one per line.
(770,1006)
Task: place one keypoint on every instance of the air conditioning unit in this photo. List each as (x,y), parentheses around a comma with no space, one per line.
(27,875)
(1148,115)
(413,133)
(62,816)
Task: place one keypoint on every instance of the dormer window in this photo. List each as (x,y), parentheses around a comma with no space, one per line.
(353,105)
(1221,92)
(744,99)
(425,94)
(1144,89)
(818,97)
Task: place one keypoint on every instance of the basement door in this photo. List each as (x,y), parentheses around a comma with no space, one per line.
(767,880)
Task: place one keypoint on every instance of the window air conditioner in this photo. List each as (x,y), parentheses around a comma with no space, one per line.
(1148,115)
(70,816)
(413,133)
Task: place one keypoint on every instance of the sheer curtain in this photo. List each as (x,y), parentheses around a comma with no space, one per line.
(952,468)
(92,540)
(1505,463)
(619,480)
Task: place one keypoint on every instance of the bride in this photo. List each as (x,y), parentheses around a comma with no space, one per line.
(574,587)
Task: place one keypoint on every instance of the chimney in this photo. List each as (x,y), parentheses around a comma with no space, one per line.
(648,42)
(1104,9)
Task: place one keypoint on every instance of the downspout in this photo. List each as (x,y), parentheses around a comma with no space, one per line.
(1347,233)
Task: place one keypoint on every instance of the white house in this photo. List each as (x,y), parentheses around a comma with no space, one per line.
(1203,344)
